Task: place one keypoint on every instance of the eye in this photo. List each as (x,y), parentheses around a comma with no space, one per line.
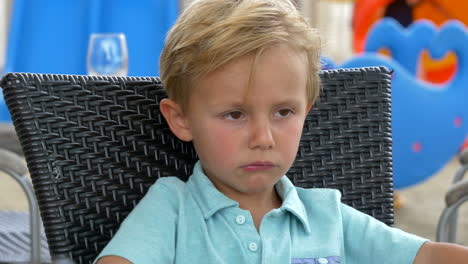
(284,112)
(234,115)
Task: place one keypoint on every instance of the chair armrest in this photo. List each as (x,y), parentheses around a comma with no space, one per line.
(456,192)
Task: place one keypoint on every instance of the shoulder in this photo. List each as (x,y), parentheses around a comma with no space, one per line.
(326,200)
(167,191)
(319,196)
(171,183)
(151,225)
(162,201)
(322,205)
(168,185)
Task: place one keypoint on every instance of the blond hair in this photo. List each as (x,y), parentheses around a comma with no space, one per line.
(211,33)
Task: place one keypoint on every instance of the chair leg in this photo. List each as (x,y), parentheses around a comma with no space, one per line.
(452,226)
(447,219)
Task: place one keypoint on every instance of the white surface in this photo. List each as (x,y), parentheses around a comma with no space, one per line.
(333,20)
(4,21)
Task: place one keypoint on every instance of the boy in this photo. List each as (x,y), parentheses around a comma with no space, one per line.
(241,76)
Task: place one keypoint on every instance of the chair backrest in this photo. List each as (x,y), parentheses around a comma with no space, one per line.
(94,145)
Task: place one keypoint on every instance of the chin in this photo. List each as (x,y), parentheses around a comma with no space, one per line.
(261,184)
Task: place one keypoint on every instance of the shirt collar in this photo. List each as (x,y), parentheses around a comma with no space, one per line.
(205,193)
(291,201)
(211,200)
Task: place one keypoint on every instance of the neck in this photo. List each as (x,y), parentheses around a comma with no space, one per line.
(259,205)
(259,201)
(264,200)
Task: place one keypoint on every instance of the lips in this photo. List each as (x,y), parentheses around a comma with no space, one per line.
(258,166)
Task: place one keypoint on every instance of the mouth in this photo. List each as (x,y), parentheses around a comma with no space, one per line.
(258,166)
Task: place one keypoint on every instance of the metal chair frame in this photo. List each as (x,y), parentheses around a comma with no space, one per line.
(13,165)
(454,198)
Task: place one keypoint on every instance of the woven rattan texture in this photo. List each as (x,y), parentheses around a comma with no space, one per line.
(94,145)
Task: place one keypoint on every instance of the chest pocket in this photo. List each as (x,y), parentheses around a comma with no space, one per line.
(324,260)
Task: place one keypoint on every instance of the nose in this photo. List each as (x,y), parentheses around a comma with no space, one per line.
(260,135)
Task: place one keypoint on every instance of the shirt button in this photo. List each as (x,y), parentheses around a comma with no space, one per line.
(240,219)
(322,260)
(253,247)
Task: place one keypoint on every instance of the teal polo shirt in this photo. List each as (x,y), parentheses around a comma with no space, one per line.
(193,222)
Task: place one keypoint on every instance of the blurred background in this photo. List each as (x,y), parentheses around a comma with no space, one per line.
(422,41)
(5,8)
(336,30)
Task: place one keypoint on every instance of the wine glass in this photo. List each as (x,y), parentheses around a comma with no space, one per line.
(107,54)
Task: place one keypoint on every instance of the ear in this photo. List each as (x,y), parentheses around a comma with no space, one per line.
(176,119)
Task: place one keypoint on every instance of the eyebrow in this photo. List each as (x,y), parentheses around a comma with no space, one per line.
(288,102)
(241,104)
(230,104)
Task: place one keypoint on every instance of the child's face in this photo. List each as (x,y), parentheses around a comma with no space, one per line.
(247,136)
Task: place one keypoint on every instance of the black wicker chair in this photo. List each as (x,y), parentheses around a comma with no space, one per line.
(94,145)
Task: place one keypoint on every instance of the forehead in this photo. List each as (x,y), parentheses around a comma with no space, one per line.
(278,69)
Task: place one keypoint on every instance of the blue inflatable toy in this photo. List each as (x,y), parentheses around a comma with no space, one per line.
(404,44)
(327,63)
(429,122)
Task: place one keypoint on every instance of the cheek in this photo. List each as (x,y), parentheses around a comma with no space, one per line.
(217,141)
(224,135)
(291,135)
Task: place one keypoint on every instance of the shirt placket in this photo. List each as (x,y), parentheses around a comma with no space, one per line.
(250,239)
(275,236)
